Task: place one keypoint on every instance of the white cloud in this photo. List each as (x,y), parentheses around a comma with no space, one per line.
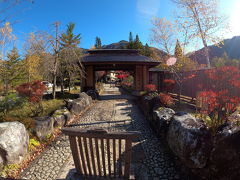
(148,8)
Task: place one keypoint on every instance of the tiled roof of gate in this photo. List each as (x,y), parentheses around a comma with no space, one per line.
(116,55)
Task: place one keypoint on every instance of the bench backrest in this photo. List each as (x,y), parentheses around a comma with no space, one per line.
(97,153)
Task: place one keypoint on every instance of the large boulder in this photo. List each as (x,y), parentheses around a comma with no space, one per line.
(225,156)
(86,98)
(61,117)
(161,120)
(78,105)
(189,139)
(43,126)
(14,140)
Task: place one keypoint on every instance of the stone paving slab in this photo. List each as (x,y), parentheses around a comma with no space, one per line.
(115,112)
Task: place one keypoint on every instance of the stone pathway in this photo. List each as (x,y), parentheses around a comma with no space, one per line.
(114,112)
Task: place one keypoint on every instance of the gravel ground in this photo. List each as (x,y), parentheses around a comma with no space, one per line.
(114,112)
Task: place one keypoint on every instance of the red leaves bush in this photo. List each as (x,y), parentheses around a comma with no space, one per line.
(166,99)
(221,93)
(122,75)
(150,88)
(33,91)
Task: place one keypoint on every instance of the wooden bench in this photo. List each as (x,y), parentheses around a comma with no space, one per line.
(98,154)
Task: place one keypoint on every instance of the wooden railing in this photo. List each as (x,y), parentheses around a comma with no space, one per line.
(97,153)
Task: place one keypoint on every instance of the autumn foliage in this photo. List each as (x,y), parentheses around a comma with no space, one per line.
(150,87)
(166,99)
(33,91)
(122,75)
(220,95)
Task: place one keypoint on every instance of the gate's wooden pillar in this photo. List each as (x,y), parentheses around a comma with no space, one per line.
(88,80)
(138,78)
(145,76)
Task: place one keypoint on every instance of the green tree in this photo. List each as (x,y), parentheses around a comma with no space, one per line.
(68,39)
(98,43)
(130,44)
(137,44)
(178,50)
(70,64)
(225,61)
(12,69)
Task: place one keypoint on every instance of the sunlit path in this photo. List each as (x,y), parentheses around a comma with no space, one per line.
(115,111)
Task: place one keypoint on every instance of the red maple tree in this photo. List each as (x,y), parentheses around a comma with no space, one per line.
(33,91)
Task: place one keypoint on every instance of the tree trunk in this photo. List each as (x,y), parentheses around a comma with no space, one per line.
(62,85)
(54,85)
(206,51)
(203,36)
(69,83)
(56,49)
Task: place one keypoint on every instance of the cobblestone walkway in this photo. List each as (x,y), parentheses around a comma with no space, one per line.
(114,112)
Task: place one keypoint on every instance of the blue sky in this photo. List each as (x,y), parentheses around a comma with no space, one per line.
(111,20)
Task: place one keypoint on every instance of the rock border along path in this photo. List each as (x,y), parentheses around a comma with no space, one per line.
(114,112)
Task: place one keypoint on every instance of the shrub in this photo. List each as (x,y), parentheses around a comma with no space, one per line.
(33,144)
(10,102)
(150,88)
(33,91)
(122,75)
(9,170)
(220,96)
(166,99)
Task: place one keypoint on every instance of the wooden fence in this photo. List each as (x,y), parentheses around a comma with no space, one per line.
(190,86)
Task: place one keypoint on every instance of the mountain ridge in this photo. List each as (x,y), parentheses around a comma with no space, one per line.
(230,46)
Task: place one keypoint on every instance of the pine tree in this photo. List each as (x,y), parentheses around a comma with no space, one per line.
(178,50)
(12,70)
(130,44)
(130,37)
(68,56)
(98,43)
(137,43)
(68,39)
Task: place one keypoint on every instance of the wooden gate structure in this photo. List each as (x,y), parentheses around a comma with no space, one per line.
(117,59)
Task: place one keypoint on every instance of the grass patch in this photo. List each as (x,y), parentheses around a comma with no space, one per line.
(24,115)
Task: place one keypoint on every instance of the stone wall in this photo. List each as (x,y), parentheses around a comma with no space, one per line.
(206,155)
(45,125)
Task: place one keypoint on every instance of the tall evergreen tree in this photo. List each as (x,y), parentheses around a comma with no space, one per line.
(137,44)
(130,43)
(68,39)
(130,37)
(178,50)
(98,43)
(68,56)
(12,71)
